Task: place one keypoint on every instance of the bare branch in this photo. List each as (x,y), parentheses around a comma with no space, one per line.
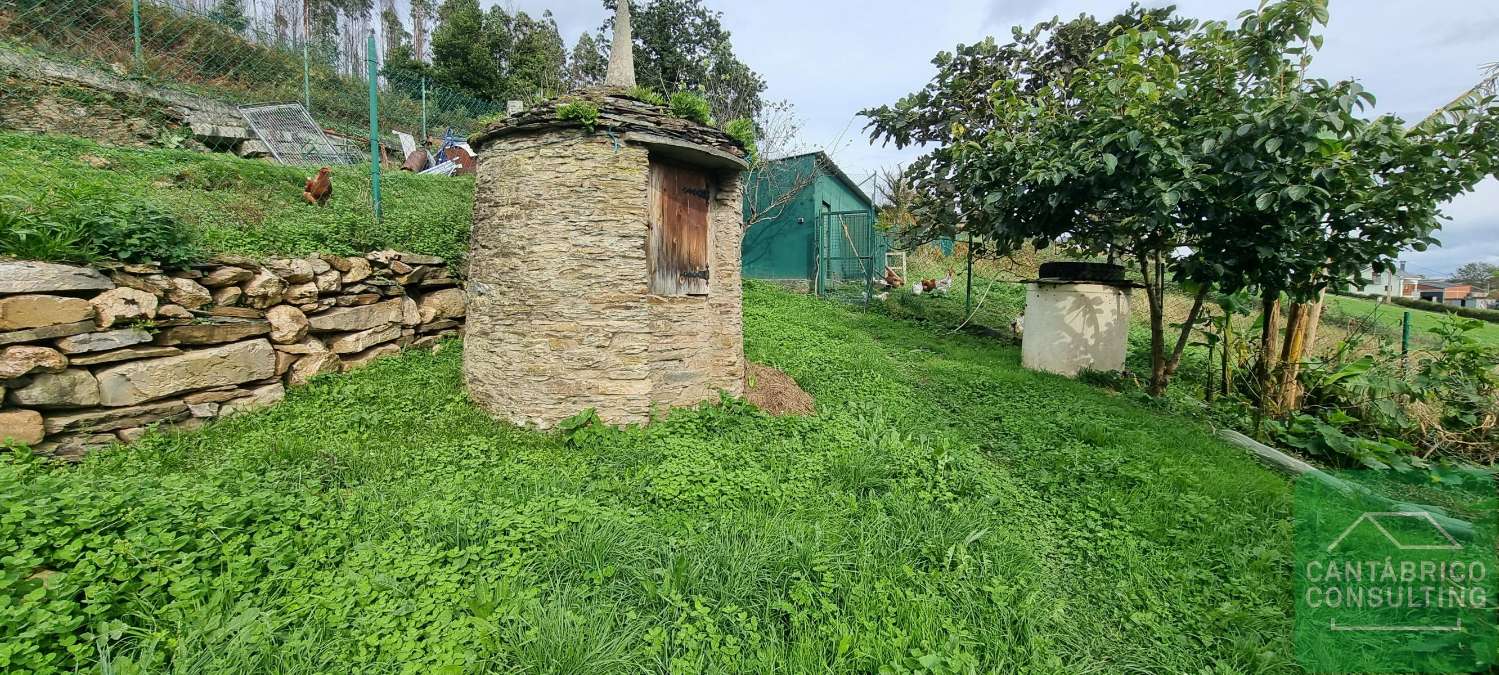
(773,185)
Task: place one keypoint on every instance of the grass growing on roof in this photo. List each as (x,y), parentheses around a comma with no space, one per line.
(944,509)
(250,207)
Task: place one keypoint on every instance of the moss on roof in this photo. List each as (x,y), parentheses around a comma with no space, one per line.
(619,113)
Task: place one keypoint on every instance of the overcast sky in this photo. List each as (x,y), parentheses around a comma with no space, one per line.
(832,58)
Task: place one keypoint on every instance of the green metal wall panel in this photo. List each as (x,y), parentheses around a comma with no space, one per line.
(785,247)
(780,247)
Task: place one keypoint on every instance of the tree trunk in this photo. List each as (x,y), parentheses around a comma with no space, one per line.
(1186,334)
(1297,345)
(1291,351)
(1158,374)
(1314,322)
(1228,342)
(1269,332)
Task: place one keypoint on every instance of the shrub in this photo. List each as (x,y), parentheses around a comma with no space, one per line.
(1382,412)
(688,105)
(743,131)
(137,232)
(25,234)
(89,229)
(582,112)
(647,95)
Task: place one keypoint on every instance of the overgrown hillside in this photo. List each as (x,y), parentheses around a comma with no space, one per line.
(944,511)
(52,186)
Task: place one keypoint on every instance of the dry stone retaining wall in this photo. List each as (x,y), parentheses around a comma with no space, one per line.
(90,356)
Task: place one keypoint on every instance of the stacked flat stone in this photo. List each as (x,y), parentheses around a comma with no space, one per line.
(619,113)
(92,356)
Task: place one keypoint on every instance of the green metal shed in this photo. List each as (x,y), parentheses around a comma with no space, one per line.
(815,224)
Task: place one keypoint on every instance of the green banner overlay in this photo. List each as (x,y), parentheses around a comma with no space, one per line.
(1395,573)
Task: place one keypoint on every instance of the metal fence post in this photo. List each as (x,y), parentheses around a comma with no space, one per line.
(968,283)
(424,111)
(135,18)
(374,124)
(1405,335)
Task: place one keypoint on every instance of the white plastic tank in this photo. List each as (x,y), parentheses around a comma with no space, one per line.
(1076,318)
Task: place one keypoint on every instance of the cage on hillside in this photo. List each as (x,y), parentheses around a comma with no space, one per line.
(850,256)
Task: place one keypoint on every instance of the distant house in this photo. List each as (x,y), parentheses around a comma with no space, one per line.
(1448,293)
(807,209)
(1387,284)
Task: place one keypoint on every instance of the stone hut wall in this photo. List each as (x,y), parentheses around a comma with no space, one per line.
(90,356)
(562,319)
(556,274)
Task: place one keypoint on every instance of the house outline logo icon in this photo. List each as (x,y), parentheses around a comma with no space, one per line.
(1372,517)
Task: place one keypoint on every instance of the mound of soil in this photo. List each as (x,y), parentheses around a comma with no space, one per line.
(776,393)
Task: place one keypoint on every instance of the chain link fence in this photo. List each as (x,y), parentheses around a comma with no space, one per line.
(850,258)
(230,58)
(175,73)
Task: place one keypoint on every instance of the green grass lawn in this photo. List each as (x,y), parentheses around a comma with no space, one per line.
(250,207)
(944,511)
(1389,317)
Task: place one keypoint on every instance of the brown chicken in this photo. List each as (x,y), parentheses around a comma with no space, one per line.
(893,280)
(319,188)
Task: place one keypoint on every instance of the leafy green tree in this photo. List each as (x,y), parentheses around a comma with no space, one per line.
(231,14)
(588,62)
(1479,274)
(497,55)
(462,55)
(1320,191)
(535,63)
(1037,143)
(1200,153)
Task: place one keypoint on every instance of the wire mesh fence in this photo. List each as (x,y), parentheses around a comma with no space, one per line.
(207,57)
(850,256)
(225,56)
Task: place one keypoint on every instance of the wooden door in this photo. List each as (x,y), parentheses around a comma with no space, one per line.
(677,249)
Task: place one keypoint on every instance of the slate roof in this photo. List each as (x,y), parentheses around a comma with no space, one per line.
(620,114)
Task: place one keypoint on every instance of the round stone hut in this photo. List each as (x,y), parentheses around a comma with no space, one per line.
(604,262)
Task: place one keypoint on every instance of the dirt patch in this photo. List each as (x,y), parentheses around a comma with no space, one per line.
(776,393)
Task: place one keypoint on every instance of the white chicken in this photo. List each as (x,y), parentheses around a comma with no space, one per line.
(944,285)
